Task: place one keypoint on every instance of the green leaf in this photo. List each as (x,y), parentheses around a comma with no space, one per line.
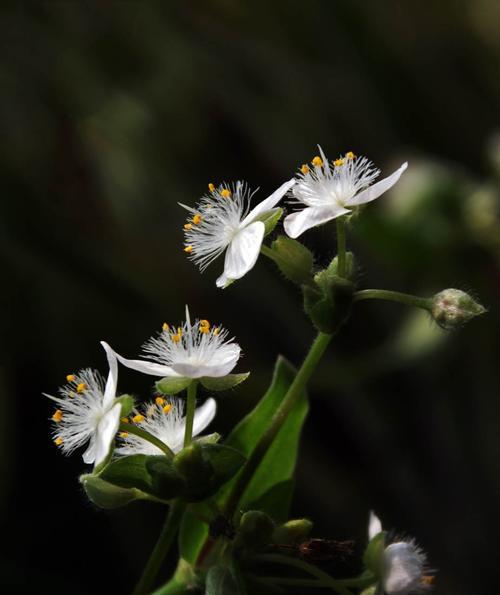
(276,501)
(221,581)
(172,386)
(192,535)
(106,495)
(181,583)
(224,382)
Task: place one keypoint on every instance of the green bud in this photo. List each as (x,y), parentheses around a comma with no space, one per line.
(293,259)
(292,532)
(452,308)
(127,402)
(172,386)
(106,495)
(224,382)
(192,465)
(255,530)
(270,219)
(372,557)
(350,266)
(329,303)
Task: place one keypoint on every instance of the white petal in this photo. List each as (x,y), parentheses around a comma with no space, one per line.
(296,223)
(106,430)
(326,164)
(242,252)
(145,367)
(377,189)
(89,455)
(374,525)
(402,568)
(268,203)
(224,360)
(203,416)
(112,381)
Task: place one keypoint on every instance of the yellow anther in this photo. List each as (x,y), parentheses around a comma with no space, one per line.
(216,330)
(165,327)
(124,420)
(57,416)
(187,226)
(70,377)
(123,434)
(138,418)
(428,580)
(81,388)
(211,187)
(350,155)
(58,441)
(160,401)
(304,168)
(188,249)
(177,337)
(197,219)
(338,162)
(317,161)
(226,193)
(167,408)
(204,329)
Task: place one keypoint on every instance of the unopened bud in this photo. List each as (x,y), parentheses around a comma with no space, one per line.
(191,464)
(293,259)
(452,308)
(292,532)
(255,530)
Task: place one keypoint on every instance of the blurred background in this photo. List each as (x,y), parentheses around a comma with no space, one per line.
(112,112)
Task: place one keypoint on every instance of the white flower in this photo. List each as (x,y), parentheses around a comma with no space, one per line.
(87,412)
(331,190)
(189,351)
(166,421)
(223,220)
(403,566)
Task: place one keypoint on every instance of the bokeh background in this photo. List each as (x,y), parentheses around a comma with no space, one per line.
(111,113)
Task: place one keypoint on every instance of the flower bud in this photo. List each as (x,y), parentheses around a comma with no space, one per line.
(292,532)
(451,308)
(350,266)
(293,259)
(255,530)
(191,464)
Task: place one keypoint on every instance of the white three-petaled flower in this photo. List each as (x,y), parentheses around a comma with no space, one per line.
(189,351)
(329,190)
(88,412)
(221,221)
(168,424)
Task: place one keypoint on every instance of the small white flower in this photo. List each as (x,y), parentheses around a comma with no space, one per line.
(87,412)
(329,190)
(221,221)
(403,565)
(189,351)
(166,421)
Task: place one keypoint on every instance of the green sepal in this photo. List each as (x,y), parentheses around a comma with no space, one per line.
(372,557)
(328,304)
(270,219)
(166,481)
(351,268)
(255,530)
(172,386)
(293,259)
(292,532)
(208,438)
(224,382)
(106,495)
(127,402)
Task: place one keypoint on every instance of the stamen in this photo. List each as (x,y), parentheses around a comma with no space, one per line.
(338,162)
(124,420)
(57,416)
(138,418)
(197,219)
(165,327)
(428,580)
(317,161)
(177,337)
(211,187)
(167,408)
(216,330)
(160,401)
(204,326)
(226,193)
(58,441)
(70,377)
(304,168)
(187,226)
(188,249)
(81,388)
(123,434)
(350,155)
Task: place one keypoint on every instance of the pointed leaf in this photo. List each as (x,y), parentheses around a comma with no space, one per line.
(172,386)
(106,495)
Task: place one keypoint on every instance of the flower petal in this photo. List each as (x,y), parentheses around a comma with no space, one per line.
(402,566)
(374,525)
(268,203)
(144,366)
(89,454)
(112,381)
(377,189)
(106,430)
(242,252)
(203,416)
(296,223)
(221,364)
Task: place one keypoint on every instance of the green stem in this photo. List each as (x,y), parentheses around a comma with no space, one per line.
(291,582)
(393,296)
(322,576)
(303,375)
(133,429)
(267,252)
(161,548)
(341,246)
(190,409)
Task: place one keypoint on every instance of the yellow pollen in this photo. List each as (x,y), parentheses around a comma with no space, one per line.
(428,580)
(138,418)
(167,408)
(81,388)
(58,441)
(211,187)
(188,249)
(123,434)
(304,168)
(350,155)
(197,219)
(187,226)
(160,401)
(124,420)
(338,162)
(216,330)
(57,416)
(225,193)
(317,161)
(177,337)
(70,377)
(165,326)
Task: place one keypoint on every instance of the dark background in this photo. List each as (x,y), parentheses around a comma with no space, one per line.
(111,112)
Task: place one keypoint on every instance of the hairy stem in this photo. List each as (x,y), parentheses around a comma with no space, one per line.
(191,406)
(393,296)
(341,246)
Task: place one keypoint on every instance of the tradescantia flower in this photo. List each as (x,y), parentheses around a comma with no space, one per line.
(88,412)
(188,351)
(166,421)
(329,190)
(222,221)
